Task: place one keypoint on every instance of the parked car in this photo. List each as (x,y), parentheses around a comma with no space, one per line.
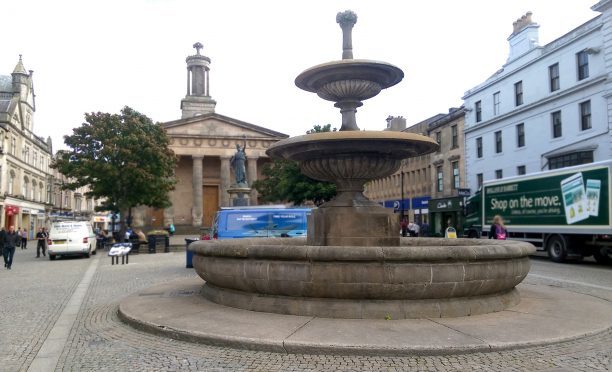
(71,238)
(260,222)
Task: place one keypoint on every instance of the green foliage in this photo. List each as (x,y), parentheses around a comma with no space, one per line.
(124,160)
(283,181)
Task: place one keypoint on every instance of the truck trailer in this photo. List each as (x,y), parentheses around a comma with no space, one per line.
(565,212)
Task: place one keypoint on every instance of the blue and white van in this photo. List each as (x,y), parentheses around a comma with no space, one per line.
(259,222)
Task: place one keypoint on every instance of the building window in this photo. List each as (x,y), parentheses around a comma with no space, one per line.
(498,142)
(456,180)
(26,157)
(455,139)
(582,59)
(520,135)
(479,147)
(585,115)
(33,191)
(553,75)
(567,160)
(24,188)
(35,159)
(89,205)
(478,109)
(496,103)
(440,175)
(13,149)
(499,174)
(49,195)
(439,140)
(66,200)
(11,182)
(557,130)
(78,203)
(40,193)
(518,93)
(479,180)
(520,170)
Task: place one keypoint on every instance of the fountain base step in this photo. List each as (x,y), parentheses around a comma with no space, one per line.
(362,309)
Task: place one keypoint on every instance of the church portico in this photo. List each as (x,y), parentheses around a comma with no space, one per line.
(204,143)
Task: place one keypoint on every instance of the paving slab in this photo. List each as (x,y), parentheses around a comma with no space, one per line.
(546,315)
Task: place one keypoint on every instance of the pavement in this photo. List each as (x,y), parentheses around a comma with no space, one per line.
(544,316)
(38,299)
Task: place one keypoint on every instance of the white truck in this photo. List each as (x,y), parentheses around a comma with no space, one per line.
(565,212)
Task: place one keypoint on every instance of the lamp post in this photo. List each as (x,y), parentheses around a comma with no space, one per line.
(402,196)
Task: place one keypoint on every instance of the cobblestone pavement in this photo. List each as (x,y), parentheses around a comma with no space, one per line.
(32,295)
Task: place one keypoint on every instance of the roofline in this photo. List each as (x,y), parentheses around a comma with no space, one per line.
(547,50)
(244,124)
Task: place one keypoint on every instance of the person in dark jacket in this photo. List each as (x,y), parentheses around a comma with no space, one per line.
(498,229)
(2,240)
(41,240)
(9,246)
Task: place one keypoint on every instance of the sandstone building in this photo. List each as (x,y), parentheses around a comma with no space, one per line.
(204,142)
(25,177)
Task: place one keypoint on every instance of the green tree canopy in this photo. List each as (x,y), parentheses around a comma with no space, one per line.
(123,159)
(283,181)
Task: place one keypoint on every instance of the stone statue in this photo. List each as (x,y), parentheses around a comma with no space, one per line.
(238,162)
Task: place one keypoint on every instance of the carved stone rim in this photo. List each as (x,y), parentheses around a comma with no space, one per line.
(412,249)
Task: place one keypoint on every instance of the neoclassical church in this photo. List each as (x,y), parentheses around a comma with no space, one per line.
(204,141)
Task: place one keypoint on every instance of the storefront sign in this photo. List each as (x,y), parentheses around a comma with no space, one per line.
(447,204)
(422,202)
(11,210)
(464,192)
(398,205)
(26,211)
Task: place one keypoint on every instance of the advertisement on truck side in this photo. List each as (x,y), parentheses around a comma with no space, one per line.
(579,198)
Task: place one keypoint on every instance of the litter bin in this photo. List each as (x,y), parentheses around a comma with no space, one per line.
(158,241)
(189,255)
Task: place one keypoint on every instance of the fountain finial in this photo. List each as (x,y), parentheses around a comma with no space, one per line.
(347,20)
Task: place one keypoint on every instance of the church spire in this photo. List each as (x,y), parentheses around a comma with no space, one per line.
(198,100)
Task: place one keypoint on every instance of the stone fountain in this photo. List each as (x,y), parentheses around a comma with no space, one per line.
(353,263)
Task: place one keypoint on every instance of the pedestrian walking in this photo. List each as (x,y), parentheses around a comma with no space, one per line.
(24,239)
(41,241)
(498,229)
(12,238)
(2,240)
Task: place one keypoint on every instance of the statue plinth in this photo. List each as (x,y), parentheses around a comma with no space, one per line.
(239,195)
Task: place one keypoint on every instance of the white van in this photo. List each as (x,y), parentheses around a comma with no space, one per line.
(71,238)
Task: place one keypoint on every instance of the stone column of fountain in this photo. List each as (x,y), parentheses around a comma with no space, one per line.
(351,157)
(353,263)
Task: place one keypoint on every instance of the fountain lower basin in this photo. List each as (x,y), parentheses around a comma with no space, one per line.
(423,277)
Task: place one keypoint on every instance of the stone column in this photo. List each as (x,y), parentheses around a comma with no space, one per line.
(225,181)
(252,175)
(197,210)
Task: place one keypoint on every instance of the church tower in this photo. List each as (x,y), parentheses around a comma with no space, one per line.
(198,100)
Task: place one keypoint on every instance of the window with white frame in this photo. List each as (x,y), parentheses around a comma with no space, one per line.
(518,93)
(498,142)
(520,170)
(440,178)
(553,76)
(479,180)
(478,110)
(499,174)
(496,103)
(557,129)
(582,61)
(520,135)
(479,147)
(456,180)
(585,115)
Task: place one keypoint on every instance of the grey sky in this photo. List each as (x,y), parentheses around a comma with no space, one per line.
(101,55)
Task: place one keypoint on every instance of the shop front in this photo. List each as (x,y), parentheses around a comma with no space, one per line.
(11,213)
(445,212)
(420,208)
(24,214)
(401,207)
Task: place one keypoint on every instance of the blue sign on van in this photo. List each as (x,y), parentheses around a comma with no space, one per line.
(260,223)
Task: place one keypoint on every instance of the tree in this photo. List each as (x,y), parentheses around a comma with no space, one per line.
(123,159)
(283,181)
